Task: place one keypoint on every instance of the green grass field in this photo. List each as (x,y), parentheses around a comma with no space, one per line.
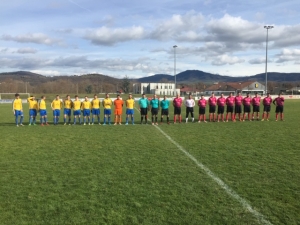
(135,175)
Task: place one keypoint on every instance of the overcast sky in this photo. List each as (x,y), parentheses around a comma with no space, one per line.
(136,37)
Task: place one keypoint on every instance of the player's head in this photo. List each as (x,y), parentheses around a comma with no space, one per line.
(239,93)
(118,96)
(68,97)
(107,95)
(43,97)
(177,95)
(248,94)
(31,96)
(222,95)
(143,95)
(57,97)
(165,97)
(256,94)
(130,96)
(230,94)
(212,94)
(190,96)
(86,98)
(154,96)
(279,94)
(17,95)
(268,94)
(202,96)
(76,97)
(95,96)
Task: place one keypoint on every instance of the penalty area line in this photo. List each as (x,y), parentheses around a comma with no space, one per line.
(225,187)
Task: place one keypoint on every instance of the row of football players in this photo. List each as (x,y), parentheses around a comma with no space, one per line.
(233,103)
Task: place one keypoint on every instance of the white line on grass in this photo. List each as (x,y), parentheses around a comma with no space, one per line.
(221,183)
(228,190)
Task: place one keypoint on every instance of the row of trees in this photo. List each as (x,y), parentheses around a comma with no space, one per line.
(65,85)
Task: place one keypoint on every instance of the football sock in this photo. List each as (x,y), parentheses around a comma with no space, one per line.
(167,119)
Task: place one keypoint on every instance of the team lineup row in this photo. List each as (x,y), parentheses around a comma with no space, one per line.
(86,108)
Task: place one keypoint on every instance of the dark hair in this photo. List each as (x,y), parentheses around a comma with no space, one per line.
(17,95)
(76,96)
(118,95)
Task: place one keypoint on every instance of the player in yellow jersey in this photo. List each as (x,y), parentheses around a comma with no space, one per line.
(67,109)
(129,109)
(43,111)
(18,109)
(107,103)
(33,107)
(76,109)
(86,106)
(56,106)
(95,109)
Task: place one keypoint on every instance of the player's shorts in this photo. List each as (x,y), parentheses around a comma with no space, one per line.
(18,113)
(267,108)
(229,109)
(86,112)
(189,110)
(144,111)
(201,110)
(96,112)
(165,112)
(76,112)
(67,112)
(129,111)
(238,109)
(247,109)
(279,109)
(154,111)
(107,111)
(220,109)
(56,112)
(118,111)
(256,108)
(43,112)
(32,112)
(212,109)
(177,110)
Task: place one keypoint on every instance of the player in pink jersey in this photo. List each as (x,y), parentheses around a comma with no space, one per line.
(279,102)
(230,103)
(238,106)
(221,103)
(202,104)
(267,107)
(247,106)
(212,102)
(255,104)
(177,102)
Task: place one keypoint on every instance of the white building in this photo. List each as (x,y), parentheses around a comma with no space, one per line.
(155,88)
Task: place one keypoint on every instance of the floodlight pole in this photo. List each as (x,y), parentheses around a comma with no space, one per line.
(175,46)
(267,27)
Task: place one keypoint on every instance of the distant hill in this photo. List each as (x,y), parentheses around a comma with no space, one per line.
(191,76)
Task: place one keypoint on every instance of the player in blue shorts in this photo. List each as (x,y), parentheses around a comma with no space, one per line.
(67,109)
(129,109)
(76,105)
(56,106)
(86,107)
(18,109)
(95,109)
(107,103)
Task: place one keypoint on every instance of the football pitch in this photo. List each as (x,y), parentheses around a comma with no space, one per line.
(213,173)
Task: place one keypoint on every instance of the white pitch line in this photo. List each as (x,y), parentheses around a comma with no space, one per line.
(228,190)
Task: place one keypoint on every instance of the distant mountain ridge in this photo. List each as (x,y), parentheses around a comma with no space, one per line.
(188,76)
(191,76)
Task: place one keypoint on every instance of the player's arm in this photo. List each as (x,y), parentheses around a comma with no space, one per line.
(274,101)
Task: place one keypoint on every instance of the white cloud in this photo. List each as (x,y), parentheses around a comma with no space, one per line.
(287,55)
(226,59)
(111,36)
(26,51)
(37,38)
(257,61)
(46,72)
